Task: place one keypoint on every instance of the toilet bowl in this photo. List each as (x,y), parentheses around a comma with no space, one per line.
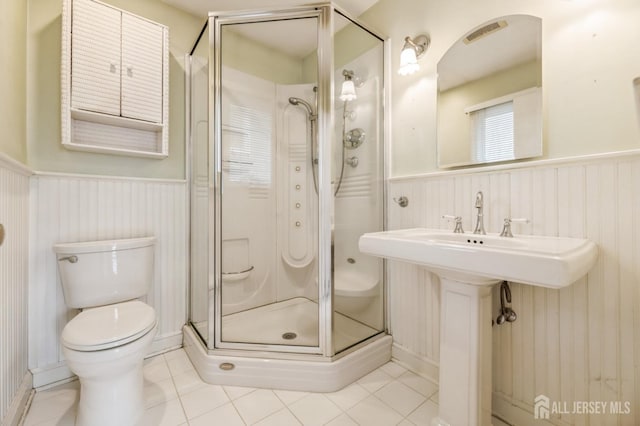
(354,290)
(105,348)
(105,344)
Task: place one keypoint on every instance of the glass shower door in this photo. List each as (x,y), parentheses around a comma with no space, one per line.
(285,177)
(201,191)
(358,182)
(267,186)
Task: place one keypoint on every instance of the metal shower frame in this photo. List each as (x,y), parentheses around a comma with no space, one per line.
(324,13)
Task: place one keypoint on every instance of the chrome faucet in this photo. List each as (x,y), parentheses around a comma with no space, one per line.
(506,229)
(479,219)
(458,221)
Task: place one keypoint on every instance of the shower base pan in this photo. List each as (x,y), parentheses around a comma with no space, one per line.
(290,322)
(310,373)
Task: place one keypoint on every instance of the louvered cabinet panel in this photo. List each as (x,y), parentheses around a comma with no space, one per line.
(142,70)
(95,59)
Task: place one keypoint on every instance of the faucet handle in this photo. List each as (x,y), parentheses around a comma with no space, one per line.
(458,221)
(506,229)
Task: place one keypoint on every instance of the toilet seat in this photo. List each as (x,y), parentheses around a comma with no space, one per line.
(108,326)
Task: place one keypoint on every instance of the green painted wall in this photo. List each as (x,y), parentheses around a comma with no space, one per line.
(257,59)
(589,62)
(589,102)
(13,82)
(45,152)
(350,42)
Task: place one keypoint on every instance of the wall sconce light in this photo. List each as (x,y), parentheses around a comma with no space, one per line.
(348,92)
(412,50)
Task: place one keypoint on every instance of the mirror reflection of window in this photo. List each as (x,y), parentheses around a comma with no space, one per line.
(506,128)
(492,136)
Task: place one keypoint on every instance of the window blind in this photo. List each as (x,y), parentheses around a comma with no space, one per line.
(250,151)
(493,133)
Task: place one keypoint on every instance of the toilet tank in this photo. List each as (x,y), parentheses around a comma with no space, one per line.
(96,273)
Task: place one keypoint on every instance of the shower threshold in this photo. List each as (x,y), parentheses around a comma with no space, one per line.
(290,322)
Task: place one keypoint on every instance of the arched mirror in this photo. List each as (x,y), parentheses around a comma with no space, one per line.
(490,94)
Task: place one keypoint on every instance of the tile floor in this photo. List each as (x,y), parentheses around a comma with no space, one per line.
(175,395)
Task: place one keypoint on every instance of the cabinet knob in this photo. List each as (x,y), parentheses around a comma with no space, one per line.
(112,67)
(130,70)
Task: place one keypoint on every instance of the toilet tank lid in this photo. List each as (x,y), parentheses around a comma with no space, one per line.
(108,326)
(104,245)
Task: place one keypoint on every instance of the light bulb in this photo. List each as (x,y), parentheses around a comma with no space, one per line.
(348,92)
(408,61)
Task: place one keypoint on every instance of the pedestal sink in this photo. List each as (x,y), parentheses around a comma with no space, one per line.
(468,265)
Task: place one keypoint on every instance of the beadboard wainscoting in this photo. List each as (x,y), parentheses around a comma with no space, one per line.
(15,385)
(580,343)
(68,208)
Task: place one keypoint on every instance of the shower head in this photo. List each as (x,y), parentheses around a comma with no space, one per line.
(305,105)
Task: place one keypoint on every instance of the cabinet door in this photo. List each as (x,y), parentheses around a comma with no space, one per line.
(95,57)
(142,69)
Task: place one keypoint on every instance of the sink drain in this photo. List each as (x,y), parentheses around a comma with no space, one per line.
(289,335)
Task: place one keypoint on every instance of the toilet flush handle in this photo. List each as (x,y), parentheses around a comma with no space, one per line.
(70,259)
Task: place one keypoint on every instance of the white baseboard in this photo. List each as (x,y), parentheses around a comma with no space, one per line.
(17,408)
(416,363)
(165,343)
(44,376)
(59,372)
(506,410)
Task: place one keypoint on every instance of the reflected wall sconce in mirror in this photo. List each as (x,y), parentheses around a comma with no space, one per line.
(413,49)
(351,81)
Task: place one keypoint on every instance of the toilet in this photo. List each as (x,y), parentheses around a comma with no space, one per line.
(104,345)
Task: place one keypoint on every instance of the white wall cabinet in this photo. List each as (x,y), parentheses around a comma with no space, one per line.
(114,81)
(141,69)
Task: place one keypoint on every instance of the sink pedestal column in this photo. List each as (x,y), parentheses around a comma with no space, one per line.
(465,353)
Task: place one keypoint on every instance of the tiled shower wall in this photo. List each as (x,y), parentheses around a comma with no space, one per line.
(15,380)
(68,208)
(580,343)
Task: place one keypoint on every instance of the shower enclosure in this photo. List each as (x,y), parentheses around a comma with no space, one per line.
(286,161)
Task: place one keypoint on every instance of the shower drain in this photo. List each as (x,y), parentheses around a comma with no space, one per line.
(289,335)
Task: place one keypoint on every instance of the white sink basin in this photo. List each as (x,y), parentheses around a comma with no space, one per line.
(468,265)
(482,259)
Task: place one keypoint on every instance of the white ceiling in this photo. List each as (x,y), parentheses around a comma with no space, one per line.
(203,7)
(295,37)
